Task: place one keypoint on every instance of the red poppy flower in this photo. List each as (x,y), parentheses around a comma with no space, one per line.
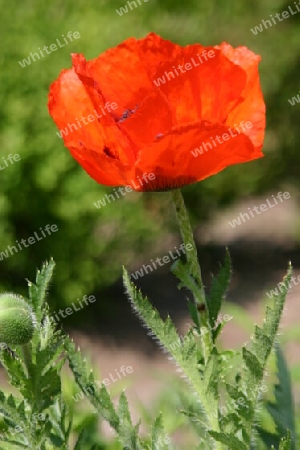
(153,115)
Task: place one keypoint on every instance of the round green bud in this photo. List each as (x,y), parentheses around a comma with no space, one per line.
(17,321)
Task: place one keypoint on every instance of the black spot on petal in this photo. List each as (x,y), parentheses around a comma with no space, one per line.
(108,152)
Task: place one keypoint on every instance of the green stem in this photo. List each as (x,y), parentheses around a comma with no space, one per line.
(194,267)
(198,293)
(188,238)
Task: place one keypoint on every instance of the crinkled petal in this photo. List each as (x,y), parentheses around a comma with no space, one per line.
(172,161)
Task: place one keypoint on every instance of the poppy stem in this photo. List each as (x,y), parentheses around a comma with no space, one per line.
(194,270)
(188,240)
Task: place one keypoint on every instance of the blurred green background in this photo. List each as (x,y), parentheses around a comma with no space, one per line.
(48,187)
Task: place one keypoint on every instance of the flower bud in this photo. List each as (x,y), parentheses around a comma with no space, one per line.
(17,320)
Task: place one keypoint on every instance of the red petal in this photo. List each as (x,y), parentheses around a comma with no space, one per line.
(252,108)
(173,164)
(125,73)
(208,91)
(98,146)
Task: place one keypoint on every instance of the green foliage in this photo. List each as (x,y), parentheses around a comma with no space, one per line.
(281,409)
(33,369)
(86,381)
(255,360)
(158,435)
(181,271)
(237,427)
(38,417)
(120,418)
(185,353)
(209,323)
(224,413)
(286,443)
(218,290)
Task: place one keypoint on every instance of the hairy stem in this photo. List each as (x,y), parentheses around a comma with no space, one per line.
(194,267)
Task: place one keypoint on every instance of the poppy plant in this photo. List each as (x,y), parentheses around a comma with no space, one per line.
(144,106)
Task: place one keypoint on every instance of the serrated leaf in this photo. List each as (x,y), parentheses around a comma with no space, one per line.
(286,443)
(123,410)
(8,409)
(38,291)
(218,290)
(15,369)
(84,378)
(14,416)
(255,369)
(158,434)
(282,409)
(264,339)
(184,355)
(194,313)
(263,344)
(16,445)
(182,270)
(211,374)
(101,400)
(271,440)
(243,406)
(128,434)
(228,439)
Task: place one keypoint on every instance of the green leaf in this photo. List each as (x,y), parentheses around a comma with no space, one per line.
(286,443)
(229,439)
(184,352)
(158,434)
(182,270)
(15,369)
(128,434)
(211,375)
(243,406)
(255,369)
(38,291)
(282,409)
(13,413)
(263,344)
(218,290)
(194,313)
(80,440)
(85,379)
(100,399)
(256,358)
(60,423)
(123,411)
(263,341)
(271,440)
